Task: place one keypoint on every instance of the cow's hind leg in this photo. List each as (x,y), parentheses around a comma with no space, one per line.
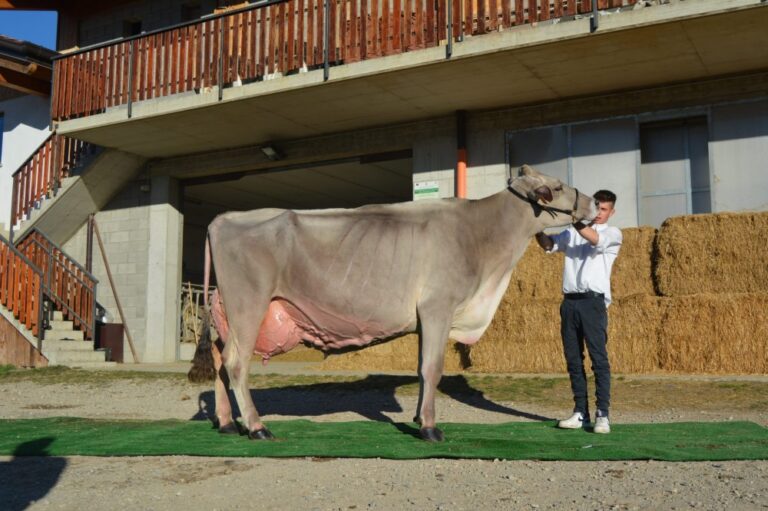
(244,329)
(224,421)
(433,337)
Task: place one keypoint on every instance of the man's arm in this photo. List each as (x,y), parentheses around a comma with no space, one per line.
(544,241)
(587,232)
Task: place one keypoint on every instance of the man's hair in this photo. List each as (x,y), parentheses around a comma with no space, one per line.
(605,196)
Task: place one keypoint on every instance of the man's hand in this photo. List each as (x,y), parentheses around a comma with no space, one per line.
(544,241)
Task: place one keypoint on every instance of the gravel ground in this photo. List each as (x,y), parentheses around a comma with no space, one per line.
(190,483)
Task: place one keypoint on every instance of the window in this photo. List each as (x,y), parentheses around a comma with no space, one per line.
(131,27)
(674,170)
(190,11)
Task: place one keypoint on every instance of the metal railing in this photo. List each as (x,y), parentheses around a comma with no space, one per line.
(280,37)
(70,287)
(39,177)
(21,288)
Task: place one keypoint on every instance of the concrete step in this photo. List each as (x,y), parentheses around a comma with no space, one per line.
(58,316)
(59,345)
(72,358)
(60,324)
(58,335)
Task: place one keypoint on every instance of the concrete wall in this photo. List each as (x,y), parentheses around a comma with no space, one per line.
(103,26)
(141,231)
(25,127)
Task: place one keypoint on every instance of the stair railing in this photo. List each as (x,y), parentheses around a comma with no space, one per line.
(70,287)
(21,289)
(39,177)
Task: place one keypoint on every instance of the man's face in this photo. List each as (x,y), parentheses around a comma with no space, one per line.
(604,212)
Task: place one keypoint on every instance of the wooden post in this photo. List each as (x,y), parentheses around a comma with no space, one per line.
(114,291)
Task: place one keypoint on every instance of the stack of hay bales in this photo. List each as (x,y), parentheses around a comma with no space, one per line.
(690,298)
(713,271)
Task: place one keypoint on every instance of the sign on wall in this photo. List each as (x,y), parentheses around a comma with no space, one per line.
(426,190)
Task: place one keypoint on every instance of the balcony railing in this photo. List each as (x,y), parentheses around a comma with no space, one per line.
(280,37)
(67,285)
(21,288)
(40,176)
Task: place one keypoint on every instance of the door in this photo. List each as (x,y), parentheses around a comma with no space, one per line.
(674,170)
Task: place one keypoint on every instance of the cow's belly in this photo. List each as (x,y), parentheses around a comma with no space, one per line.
(286,324)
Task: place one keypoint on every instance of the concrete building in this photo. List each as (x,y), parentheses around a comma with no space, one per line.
(306,104)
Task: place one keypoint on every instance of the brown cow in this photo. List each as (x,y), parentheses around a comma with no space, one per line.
(340,277)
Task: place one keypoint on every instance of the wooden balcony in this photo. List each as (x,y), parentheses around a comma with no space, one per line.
(283,37)
(301,69)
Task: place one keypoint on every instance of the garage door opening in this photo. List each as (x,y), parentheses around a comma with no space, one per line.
(374,179)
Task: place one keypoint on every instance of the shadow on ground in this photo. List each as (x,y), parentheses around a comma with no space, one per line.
(29,475)
(370,397)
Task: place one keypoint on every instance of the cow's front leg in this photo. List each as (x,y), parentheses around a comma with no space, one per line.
(432,338)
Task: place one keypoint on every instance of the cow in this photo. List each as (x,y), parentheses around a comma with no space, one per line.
(339,278)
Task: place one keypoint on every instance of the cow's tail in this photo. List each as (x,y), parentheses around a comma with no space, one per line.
(202,364)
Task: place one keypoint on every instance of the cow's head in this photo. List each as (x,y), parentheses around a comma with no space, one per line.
(563,203)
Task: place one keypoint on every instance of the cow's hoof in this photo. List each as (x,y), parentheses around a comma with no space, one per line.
(229,429)
(431,435)
(261,434)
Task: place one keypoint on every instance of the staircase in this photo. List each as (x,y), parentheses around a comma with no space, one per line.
(63,182)
(63,345)
(54,192)
(35,272)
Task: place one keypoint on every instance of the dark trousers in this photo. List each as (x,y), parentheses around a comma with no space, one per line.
(586,321)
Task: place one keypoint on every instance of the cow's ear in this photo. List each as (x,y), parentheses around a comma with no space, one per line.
(542,193)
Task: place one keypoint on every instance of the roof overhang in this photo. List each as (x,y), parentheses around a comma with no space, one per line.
(25,67)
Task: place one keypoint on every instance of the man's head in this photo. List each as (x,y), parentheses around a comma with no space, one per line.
(605,201)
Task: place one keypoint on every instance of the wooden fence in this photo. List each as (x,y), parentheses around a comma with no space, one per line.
(282,37)
(40,176)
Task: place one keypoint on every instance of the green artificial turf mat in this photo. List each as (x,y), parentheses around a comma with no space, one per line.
(683,441)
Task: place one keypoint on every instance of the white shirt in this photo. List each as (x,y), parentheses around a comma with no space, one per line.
(587,267)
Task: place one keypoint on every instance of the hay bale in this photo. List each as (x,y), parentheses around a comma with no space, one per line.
(300,353)
(401,354)
(524,336)
(633,270)
(634,327)
(537,275)
(713,253)
(716,333)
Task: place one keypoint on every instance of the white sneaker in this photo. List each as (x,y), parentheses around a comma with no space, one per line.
(576,421)
(602,425)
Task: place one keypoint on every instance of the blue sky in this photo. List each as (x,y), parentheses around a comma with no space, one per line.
(37,27)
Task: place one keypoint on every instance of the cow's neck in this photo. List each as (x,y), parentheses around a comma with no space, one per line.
(510,221)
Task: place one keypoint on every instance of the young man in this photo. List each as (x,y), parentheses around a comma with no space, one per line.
(590,250)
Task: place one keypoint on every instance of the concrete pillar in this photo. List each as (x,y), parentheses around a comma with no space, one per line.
(163,271)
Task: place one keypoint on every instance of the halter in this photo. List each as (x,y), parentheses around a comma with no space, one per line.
(549,209)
